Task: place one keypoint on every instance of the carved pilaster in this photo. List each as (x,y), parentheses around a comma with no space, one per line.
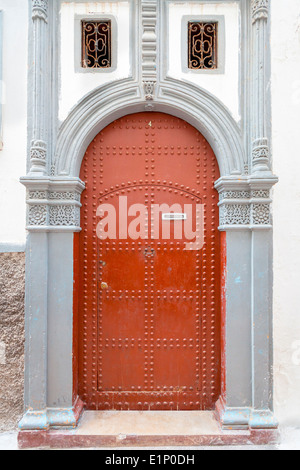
(260,145)
(149,48)
(38,150)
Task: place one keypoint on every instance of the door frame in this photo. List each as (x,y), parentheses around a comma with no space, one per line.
(53,197)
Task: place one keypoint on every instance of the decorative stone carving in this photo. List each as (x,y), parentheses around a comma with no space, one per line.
(260,154)
(64,216)
(37,215)
(53,204)
(149,89)
(260,146)
(38,157)
(245,202)
(235,195)
(235,214)
(38,150)
(261,214)
(38,195)
(64,195)
(260,9)
(54,215)
(40,71)
(40,9)
(260,194)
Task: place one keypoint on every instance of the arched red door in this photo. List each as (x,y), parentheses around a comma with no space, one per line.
(149,300)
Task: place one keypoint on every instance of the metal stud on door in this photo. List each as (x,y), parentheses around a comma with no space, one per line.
(149,301)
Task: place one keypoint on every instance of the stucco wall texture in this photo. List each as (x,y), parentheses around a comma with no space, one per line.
(12,289)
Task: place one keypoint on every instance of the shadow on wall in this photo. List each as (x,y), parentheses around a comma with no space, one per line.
(12,293)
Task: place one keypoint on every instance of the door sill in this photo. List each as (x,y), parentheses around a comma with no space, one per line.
(117,429)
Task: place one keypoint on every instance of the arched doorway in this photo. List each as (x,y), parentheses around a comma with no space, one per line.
(149,300)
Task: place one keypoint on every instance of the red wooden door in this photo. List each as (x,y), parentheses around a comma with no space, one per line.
(149,308)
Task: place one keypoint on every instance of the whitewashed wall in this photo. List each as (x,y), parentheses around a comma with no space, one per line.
(13,155)
(224,86)
(286,146)
(286,156)
(74,85)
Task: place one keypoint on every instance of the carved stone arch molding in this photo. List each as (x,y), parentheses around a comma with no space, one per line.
(54,193)
(184,100)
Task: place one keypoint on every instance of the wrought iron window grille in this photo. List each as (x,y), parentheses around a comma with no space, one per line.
(96,44)
(202,46)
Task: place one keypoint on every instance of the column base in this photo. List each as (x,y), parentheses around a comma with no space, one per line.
(232,418)
(65,417)
(34,420)
(52,418)
(263,419)
(244,418)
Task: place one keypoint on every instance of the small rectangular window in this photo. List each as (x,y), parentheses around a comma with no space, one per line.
(202,45)
(96,44)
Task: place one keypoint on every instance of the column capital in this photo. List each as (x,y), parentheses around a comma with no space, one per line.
(53,204)
(245,202)
(38,157)
(40,9)
(260,10)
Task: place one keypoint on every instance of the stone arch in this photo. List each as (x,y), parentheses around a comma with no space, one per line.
(186,101)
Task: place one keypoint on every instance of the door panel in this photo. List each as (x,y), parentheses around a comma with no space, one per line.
(149,308)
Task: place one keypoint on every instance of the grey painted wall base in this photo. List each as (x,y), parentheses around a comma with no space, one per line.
(12,247)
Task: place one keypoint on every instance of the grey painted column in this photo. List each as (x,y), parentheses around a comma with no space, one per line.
(37,245)
(60,330)
(262,415)
(260,47)
(260,183)
(234,405)
(245,215)
(53,217)
(238,322)
(36,333)
(261,309)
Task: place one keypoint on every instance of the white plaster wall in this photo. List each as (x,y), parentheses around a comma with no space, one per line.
(75,85)
(286,151)
(224,86)
(286,155)
(13,155)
